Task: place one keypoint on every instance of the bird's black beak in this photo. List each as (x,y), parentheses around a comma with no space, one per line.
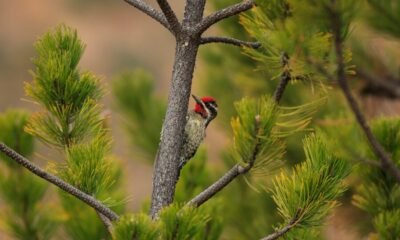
(197,100)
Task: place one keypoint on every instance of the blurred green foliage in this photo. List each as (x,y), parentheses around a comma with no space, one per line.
(24,216)
(142,112)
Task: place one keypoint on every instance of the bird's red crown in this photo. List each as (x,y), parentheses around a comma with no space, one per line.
(200,109)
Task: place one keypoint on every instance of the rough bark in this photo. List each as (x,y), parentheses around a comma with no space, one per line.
(166,165)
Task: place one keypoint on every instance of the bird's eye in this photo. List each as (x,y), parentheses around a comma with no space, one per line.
(214,104)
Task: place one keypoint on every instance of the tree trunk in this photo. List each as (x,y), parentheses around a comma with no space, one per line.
(166,170)
(166,165)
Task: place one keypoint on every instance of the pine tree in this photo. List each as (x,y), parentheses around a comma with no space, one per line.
(270,185)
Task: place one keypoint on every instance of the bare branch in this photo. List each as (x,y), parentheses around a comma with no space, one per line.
(150,11)
(285,229)
(222,14)
(285,78)
(217,186)
(89,200)
(170,16)
(232,41)
(107,223)
(387,162)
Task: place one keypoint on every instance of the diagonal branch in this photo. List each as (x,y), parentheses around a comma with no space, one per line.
(170,16)
(285,78)
(222,14)
(218,185)
(386,162)
(285,229)
(89,200)
(150,11)
(232,41)
(106,222)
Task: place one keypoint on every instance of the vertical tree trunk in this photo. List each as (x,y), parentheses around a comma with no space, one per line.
(166,165)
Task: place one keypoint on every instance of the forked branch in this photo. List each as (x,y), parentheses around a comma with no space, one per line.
(150,11)
(86,198)
(231,41)
(222,14)
(170,16)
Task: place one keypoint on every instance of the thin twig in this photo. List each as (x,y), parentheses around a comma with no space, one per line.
(91,201)
(106,222)
(379,151)
(222,14)
(170,16)
(150,11)
(230,175)
(285,78)
(232,41)
(285,229)
(217,186)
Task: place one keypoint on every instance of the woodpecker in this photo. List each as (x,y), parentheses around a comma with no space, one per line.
(197,120)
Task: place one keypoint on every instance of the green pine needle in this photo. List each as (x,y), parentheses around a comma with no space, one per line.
(311,190)
(182,223)
(87,167)
(138,226)
(387,224)
(143,113)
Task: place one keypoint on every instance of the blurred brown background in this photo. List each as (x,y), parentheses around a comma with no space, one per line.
(118,38)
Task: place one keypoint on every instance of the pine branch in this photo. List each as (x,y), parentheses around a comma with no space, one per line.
(222,14)
(386,162)
(285,229)
(285,78)
(170,16)
(150,11)
(232,41)
(106,221)
(89,200)
(218,185)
